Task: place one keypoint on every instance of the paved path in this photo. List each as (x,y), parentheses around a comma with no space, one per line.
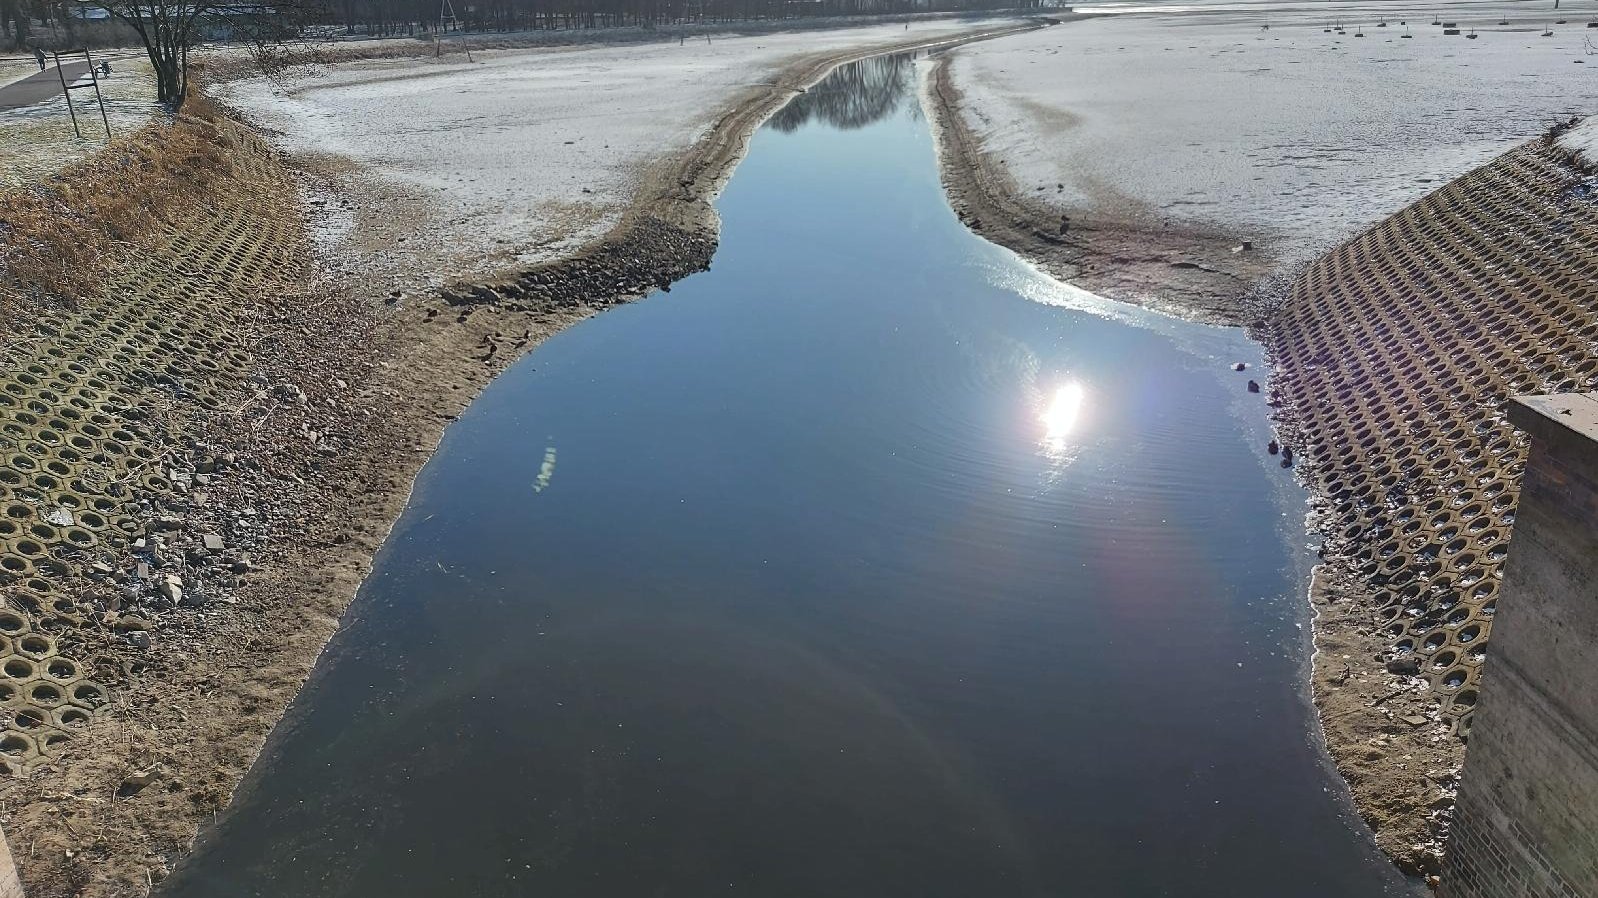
(39,87)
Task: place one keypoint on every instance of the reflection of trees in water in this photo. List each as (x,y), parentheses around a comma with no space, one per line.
(853,96)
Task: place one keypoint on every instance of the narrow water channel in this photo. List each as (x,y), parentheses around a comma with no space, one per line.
(869,563)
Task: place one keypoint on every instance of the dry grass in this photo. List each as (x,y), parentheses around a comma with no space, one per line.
(60,240)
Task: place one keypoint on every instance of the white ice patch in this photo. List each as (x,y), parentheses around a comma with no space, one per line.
(1583,139)
(1295,134)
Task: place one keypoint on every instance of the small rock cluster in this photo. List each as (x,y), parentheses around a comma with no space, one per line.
(652,254)
(182,558)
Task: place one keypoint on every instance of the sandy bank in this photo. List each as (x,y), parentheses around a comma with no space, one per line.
(271,401)
(1168,139)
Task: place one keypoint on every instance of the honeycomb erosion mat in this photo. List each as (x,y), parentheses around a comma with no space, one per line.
(1393,357)
(122,542)
(92,408)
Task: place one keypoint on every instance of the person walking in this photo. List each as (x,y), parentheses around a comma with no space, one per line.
(39,55)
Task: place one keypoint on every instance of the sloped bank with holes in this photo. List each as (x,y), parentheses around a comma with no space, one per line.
(117,517)
(1394,357)
(91,417)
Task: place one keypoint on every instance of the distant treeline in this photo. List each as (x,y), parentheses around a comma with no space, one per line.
(54,24)
(391,17)
(70,23)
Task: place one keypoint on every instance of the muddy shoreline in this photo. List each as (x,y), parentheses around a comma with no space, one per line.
(1121,254)
(207,616)
(1400,777)
(1392,355)
(1351,691)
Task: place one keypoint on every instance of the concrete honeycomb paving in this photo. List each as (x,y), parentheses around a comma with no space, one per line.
(90,408)
(1394,356)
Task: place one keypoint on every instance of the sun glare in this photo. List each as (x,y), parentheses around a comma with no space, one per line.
(1061,416)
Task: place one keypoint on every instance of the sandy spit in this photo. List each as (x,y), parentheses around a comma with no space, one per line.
(1187,270)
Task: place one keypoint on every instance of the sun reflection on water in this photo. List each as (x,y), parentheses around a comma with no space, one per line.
(1060,421)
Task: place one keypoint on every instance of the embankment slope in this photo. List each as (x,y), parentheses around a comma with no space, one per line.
(1393,356)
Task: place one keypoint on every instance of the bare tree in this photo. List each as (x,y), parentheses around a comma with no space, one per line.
(169,29)
(14,15)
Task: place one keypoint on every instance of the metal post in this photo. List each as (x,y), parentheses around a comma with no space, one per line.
(465,45)
(94,82)
(94,77)
(66,92)
(446,14)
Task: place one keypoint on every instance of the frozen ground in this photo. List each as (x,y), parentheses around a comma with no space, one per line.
(1195,112)
(526,153)
(1583,139)
(16,68)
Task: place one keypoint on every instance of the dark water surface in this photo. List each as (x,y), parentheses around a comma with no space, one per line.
(870,563)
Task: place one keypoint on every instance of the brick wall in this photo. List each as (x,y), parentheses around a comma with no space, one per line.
(1526,823)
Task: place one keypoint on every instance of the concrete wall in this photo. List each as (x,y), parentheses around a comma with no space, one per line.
(10,884)
(1526,823)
